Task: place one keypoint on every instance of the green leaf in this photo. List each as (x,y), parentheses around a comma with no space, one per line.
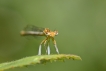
(39,59)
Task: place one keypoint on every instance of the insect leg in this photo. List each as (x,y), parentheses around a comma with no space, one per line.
(48,48)
(55,45)
(39,51)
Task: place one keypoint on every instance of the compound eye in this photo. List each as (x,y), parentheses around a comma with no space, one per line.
(56,33)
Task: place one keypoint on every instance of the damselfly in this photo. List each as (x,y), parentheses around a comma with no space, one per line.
(37,31)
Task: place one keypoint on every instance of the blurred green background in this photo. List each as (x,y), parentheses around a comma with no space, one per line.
(81,25)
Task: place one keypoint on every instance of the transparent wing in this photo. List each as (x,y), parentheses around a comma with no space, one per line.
(33,28)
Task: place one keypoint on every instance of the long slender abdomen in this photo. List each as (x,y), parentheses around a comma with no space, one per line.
(26,33)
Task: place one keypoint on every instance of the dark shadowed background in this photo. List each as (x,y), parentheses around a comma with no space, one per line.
(81,25)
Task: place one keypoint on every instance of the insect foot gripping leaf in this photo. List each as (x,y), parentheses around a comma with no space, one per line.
(32,60)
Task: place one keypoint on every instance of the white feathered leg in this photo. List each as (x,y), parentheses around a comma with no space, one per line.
(39,51)
(56,48)
(55,45)
(48,50)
